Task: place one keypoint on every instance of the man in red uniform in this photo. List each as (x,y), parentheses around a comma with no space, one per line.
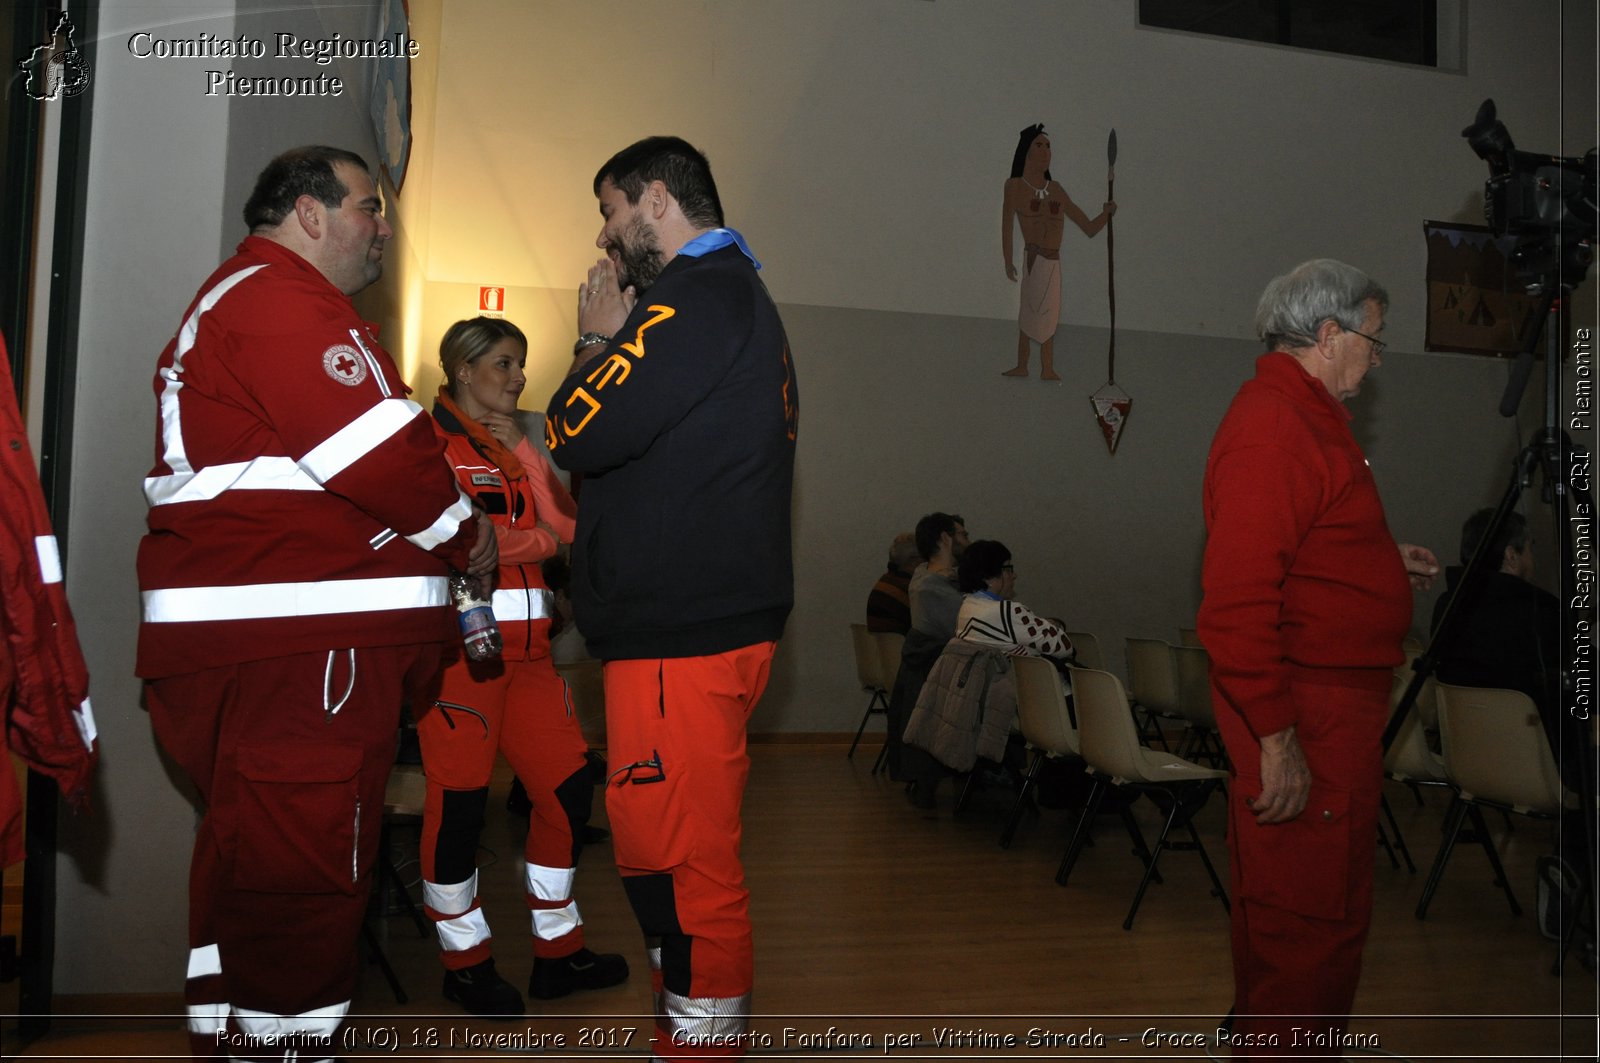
(680,412)
(1305,605)
(302,526)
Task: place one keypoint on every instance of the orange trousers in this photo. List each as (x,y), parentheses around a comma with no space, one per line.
(676,747)
(1303,890)
(521,709)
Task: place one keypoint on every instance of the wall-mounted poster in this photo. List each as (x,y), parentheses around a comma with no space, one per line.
(1476,304)
(391,94)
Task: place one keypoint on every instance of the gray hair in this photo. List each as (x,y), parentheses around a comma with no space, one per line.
(903,552)
(1296,304)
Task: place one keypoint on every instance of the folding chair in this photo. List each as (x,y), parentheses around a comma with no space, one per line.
(1108,739)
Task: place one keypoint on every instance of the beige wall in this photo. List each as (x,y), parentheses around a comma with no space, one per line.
(863,158)
(861,147)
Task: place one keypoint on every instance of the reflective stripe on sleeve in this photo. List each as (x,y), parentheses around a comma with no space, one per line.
(266,600)
(358,438)
(83,717)
(173,454)
(49,558)
(275,473)
(445,528)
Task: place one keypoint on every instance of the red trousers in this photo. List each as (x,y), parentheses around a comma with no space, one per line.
(293,797)
(521,709)
(1303,890)
(676,747)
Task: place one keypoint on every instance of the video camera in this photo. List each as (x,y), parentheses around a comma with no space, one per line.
(1546,201)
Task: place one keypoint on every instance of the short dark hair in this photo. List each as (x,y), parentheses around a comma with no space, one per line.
(675,163)
(1513,533)
(984,560)
(931,528)
(298,172)
(1025,141)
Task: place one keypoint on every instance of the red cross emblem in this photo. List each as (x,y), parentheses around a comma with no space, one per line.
(345,364)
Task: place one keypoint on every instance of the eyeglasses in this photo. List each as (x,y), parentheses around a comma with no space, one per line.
(627,772)
(1378,345)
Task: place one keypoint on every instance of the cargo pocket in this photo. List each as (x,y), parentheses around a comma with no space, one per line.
(646,805)
(300,814)
(1302,866)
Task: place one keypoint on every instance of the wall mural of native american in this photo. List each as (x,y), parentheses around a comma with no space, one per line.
(1040,208)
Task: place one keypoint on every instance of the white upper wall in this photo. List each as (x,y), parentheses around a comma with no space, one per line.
(862,147)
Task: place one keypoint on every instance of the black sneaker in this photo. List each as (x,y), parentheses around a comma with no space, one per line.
(581,970)
(482,991)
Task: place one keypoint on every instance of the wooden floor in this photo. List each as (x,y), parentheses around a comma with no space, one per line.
(877,921)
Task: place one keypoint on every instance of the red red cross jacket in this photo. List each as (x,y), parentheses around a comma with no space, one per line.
(44,686)
(299,501)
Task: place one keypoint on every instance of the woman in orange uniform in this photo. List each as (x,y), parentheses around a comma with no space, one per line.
(515,704)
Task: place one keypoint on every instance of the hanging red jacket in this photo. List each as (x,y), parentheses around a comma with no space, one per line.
(44,685)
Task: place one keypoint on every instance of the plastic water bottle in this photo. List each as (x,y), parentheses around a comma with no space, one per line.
(479,632)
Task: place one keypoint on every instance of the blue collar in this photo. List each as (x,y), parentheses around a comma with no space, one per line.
(991,595)
(716,240)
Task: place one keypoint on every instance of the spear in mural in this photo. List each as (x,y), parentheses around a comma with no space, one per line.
(1111,404)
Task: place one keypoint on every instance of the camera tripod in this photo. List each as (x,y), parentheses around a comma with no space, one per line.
(1551,455)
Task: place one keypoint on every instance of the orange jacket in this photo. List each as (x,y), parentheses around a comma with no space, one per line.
(516,505)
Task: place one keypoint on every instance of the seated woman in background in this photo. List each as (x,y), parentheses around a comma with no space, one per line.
(964,713)
(990,617)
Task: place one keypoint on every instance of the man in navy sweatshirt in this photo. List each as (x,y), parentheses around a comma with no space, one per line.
(680,415)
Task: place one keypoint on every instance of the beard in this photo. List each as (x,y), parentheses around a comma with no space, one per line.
(639,257)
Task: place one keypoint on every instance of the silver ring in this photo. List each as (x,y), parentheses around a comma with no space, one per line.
(594,291)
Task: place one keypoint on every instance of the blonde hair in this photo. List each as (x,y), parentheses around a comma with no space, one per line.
(467,341)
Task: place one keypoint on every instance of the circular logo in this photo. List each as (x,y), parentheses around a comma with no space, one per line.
(345,364)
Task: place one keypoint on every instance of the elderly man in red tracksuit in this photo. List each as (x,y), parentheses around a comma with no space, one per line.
(293,583)
(1305,606)
(681,412)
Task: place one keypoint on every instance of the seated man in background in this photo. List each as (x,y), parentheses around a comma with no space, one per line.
(1507,635)
(935,602)
(1507,638)
(889,603)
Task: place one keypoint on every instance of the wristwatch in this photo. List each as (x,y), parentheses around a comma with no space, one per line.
(588,339)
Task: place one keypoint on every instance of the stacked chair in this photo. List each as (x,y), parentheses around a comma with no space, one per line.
(1108,740)
(1046,722)
(877,662)
(1087,648)
(1496,755)
(1192,669)
(1409,759)
(1152,686)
